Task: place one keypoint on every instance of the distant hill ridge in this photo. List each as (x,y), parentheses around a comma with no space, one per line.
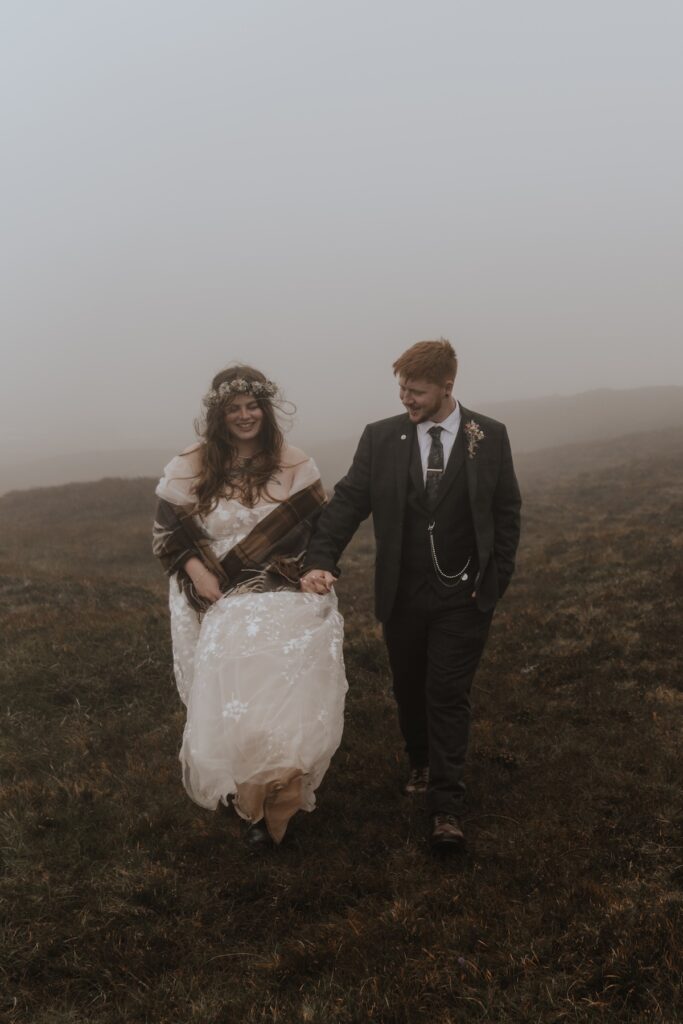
(533,424)
(112,497)
(592,415)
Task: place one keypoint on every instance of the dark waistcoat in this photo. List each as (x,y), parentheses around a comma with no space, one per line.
(454,536)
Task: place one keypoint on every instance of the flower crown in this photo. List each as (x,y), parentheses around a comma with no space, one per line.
(241,386)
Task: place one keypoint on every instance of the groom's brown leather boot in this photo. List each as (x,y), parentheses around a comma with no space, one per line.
(417,782)
(447,833)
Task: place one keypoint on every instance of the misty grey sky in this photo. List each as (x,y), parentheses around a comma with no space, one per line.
(311,186)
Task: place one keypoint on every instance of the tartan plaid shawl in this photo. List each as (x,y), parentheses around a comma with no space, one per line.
(269,558)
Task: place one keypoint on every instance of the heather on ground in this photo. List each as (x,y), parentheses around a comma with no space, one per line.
(121,901)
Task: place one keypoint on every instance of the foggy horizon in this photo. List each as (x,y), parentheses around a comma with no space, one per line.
(312,188)
(297,434)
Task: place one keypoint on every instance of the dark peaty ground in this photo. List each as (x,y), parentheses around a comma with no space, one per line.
(121,901)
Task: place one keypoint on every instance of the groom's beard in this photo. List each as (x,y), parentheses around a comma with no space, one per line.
(423,412)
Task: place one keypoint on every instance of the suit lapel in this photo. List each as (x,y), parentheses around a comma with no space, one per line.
(405,442)
(471,464)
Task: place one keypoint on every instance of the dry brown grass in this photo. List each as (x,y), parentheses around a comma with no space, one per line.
(122,901)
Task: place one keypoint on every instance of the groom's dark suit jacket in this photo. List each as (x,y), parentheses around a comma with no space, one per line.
(377,483)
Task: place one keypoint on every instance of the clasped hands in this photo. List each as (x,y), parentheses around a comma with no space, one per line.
(207,585)
(317,581)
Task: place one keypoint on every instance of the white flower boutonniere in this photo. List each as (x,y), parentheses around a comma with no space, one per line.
(474,435)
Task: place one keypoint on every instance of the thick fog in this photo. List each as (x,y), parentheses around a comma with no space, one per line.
(313,186)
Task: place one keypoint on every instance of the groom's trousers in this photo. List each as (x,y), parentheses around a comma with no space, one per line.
(435,643)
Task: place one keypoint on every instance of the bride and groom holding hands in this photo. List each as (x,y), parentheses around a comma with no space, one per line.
(251,545)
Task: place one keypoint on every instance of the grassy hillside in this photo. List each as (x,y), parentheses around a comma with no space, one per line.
(123,901)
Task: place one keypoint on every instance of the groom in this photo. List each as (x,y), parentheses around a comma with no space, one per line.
(442,491)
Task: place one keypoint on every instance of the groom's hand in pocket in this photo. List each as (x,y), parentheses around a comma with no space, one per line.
(318,581)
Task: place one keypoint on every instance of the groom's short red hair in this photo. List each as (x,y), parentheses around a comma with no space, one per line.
(434,361)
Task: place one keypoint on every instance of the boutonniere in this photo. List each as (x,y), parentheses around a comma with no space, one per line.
(474,435)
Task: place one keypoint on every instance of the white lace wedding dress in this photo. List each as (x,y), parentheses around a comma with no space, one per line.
(262,676)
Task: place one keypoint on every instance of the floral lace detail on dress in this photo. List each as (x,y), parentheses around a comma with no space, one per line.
(235,709)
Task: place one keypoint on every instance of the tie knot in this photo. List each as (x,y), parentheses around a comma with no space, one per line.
(435,432)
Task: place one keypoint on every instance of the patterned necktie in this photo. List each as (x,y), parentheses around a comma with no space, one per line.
(434,465)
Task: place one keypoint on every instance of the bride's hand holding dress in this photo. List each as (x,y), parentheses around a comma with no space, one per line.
(205,582)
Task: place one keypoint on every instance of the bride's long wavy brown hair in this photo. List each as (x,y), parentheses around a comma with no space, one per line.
(220,475)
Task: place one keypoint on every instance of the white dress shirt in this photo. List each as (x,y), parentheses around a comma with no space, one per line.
(450,428)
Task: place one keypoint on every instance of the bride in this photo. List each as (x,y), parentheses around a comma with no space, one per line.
(257,662)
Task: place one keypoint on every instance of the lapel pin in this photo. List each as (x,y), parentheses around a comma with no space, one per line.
(403,437)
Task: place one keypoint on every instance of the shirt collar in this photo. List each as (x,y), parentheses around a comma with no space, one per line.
(450,424)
